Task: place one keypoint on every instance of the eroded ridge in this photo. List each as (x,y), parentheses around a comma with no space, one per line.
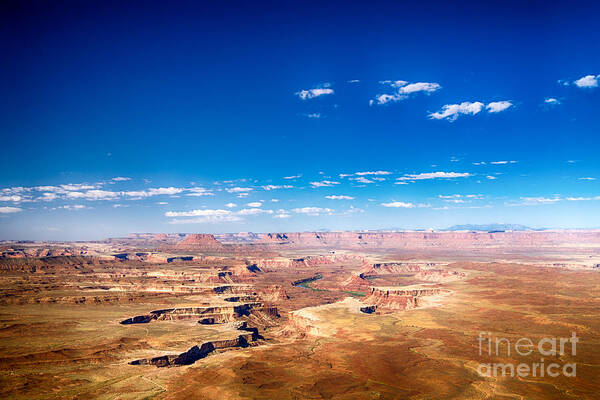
(206,315)
(238,316)
(390,299)
(195,353)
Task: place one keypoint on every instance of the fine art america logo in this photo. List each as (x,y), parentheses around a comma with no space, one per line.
(545,347)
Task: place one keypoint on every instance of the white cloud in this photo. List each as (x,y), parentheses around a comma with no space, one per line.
(372,173)
(503,162)
(239,189)
(428,87)
(211,219)
(386,98)
(78,186)
(198,213)
(323,184)
(156,192)
(497,106)
(14,198)
(168,191)
(401,204)
(312,211)
(534,201)
(274,187)
(198,191)
(61,189)
(292,177)
(452,111)
(491,177)
(10,210)
(403,90)
(48,197)
(434,175)
(579,198)
(588,81)
(313,115)
(539,200)
(552,101)
(352,210)
(275,200)
(282,214)
(255,204)
(48,189)
(353,81)
(202,216)
(587,179)
(230,205)
(361,179)
(94,195)
(73,207)
(339,197)
(14,190)
(393,83)
(212,216)
(312,93)
(120,179)
(254,211)
(84,191)
(458,196)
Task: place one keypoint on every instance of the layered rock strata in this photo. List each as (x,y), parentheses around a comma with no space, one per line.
(195,353)
(382,299)
(428,240)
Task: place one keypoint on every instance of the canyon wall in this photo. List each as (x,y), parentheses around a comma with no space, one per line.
(429,240)
(398,298)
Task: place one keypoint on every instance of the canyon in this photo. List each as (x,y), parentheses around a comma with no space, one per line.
(292,315)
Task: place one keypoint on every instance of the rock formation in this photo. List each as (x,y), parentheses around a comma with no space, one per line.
(196,353)
(391,268)
(439,275)
(389,299)
(272,294)
(199,241)
(428,240)
(356,282)
(206,315)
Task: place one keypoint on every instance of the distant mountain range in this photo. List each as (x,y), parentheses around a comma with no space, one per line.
(490,227)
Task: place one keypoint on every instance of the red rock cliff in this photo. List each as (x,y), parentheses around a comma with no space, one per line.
(428,240)
(199,241)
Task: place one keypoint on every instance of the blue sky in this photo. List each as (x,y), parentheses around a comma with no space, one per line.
(418,116)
